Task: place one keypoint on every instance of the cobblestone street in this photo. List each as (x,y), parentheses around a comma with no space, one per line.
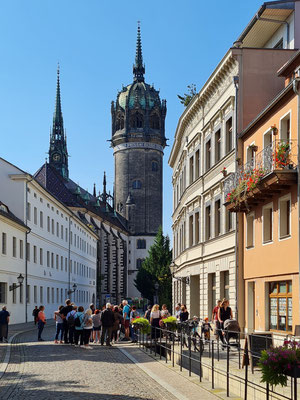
(42,370)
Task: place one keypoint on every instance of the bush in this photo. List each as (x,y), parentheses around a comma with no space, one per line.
(142,324)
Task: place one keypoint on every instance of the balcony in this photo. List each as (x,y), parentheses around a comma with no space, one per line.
(271,171)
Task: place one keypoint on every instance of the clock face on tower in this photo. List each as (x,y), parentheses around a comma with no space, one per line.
(56,157)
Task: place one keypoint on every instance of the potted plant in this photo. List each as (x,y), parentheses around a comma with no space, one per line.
(282,155)
(253,147)
(280,362)
(141,324)
(224,171)
(170,323)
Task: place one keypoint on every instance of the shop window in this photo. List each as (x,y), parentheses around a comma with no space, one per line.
(250,231)
(207,223)
(208,155)
(280,295)
(267,223)
(228,134)
(218,146)
(217,217)
(284,216)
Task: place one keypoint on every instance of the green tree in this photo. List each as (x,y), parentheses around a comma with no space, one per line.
(154,269)
(187,97)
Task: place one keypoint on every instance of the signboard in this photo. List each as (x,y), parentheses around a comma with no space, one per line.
(257,343)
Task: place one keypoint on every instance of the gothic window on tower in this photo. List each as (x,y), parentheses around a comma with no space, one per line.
(137,120)
(154,121)
(141,244)
(154,166)
(120,122)
(136,184)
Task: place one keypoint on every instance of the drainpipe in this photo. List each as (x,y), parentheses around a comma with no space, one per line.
(277,21)
(69,256)
(26,241)
(297,92)
(236,85)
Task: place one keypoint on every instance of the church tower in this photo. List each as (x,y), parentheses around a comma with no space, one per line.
(58,154)
(138,140)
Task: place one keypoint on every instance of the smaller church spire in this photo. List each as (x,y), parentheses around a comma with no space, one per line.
(94,190)
(138,67)
(58,124)
(104,187)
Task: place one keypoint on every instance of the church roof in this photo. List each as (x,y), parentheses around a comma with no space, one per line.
(73,195)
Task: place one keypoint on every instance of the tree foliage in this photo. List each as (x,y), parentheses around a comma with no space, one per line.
(154,269)
(187,97)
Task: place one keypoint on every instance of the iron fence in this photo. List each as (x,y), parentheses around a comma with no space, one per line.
(186,348)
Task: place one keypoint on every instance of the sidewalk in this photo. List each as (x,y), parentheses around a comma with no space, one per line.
(178,383)
(17,328)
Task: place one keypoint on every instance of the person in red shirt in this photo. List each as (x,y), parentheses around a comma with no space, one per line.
(41,322)
(214,318)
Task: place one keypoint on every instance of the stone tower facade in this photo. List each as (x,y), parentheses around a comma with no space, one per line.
(58,154)
(138,140)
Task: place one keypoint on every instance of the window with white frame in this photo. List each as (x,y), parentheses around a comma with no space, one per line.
(41,294)
(191,230)
(3,289)
(4,243)
(208,155)
(217,217)
(207,223)
(228,221)
(14,246)
(191,169)
(21,249)
(34,254)
(41,256)
(35,294)
(35,215)
(250,231)
(218,145)
(41,219)
(285,128)
(267,213)
(284,217)
(197,164)
(228,134)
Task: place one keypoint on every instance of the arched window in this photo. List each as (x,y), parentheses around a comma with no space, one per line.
(136,184)
(154,166)
(120,122)
(141,244)
(137,120)
(154,121)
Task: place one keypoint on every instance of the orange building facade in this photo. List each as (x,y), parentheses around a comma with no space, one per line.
(264,193)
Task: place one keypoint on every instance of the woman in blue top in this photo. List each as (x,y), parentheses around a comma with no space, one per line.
(79,329)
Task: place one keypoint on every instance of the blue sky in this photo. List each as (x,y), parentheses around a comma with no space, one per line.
(94,42)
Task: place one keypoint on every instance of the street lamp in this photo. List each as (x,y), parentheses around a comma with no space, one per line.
(74,288)
(156,287)
(185,279)
(20,280)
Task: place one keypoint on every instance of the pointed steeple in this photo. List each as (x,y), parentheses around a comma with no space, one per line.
(58,154)
(138,67)
(104,187)
(94,190)
(58,123)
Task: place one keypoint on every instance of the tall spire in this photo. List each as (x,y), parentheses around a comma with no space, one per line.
(58,154)
(138,67)
(104,185)
(58,123)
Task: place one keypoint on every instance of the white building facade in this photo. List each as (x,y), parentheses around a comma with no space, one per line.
(59,251)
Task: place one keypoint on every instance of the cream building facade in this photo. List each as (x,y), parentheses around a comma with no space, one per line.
(205,236)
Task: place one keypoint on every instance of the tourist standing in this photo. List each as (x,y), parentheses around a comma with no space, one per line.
(107,320)
(92,307)
(184,314)
(224,313)
(178,311)
(4,321)
(133,316)
(96,326)
(164,311)
(78,333)
(214,318)
(126,318)
(35,314)
(71,323)
(87,328)
(154,321)
(148,312)
(59,325)
(117,323)
(41,322)
(64,312)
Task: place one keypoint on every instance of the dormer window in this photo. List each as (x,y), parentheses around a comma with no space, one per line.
(3,208)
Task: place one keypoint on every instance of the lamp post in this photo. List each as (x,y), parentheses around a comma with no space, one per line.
(185,279)
(156,287)
(74,288)
(20,280)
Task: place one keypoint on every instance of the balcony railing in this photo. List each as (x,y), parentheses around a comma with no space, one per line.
(278,156)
